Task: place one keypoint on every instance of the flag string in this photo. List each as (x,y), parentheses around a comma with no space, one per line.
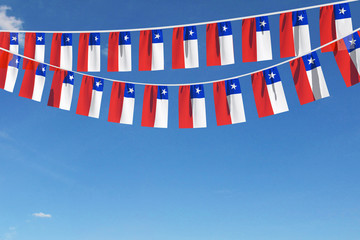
(184,84)
(190,24)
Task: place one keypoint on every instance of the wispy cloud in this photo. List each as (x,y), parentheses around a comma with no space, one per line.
(9,22)
(10,235)
(41,215)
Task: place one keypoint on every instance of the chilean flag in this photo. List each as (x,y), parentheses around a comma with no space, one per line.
(268,92)
(229,106)
(34,48)
(155,107)
(61,51)
(122,103)
(9,41)
(185,48)
(219,44)
(256,40)
(119,52)
(90,96)
(347,57)
(151,50)
(33,82)
(9,67)
(335,22)
(89,52)
(62,88)
(294,34)
(309,78)
(192,113)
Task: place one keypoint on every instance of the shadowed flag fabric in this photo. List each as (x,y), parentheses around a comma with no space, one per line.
(33,81)
(151,50)
(122,103)
(185,48)
(90,96)
(309,78)
(155,107)
(61,51)
(119,52)
(9,67)
(89,52)
(9,41)
(34,48)
(229,107)
(268,92)
(61,91)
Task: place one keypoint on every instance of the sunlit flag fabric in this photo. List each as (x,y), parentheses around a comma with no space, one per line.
(61,51)
(219,44)
(9,67)
(62,88)
(185,48)
(34,48)
(33,82)
(90,96)
(335,22)
(122,103)
(89,52)
(9,41)
(192,112)
(309,78)
(294,34)
(347,57)
(229,106)
(155,107)
(268,92)
(151,50)
(256,40)
(119,52)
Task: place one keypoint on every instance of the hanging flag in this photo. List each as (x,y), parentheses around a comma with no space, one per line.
(119,52)
(347,56)
(155,107)
(9,67)
(309,78)
(151,50)
(9,41)
(229,106)
(61,51)
(185,48)
(335,22)
(34,48)
(268,92)
(89,52)
(256,40)
(33,82)
(62,88)
(192,113)
(219,44)
(122,103)
(90,96)
(294,34)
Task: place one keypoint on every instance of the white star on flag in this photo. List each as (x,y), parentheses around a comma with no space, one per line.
(198,90)
(233,86)
(311,60)
(68,39)
(96,38)
(43,69)
(271,75)
(352,42)
(71,77)
(157,36)
(98,84)
(14,38)
(342,11)
(300,17)
(191,32)
(17,60)
(126,37)
(163,91)
(262,24)
(131,90)
(224,28)
(40,38)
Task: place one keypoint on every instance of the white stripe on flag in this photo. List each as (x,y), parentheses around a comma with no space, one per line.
(198,112)
(39,53)
(127,113)
(10,80)
(66,57)
(355,57)
(191,55)
(124,58)
(66,96)
(94,110)
(317,83)
(301,39)
(94,58)
(226,50)
(343,27)
(14,48)
(263,46)
(39,83)
(236,107)
(157,58)
(161,114)
(277,97)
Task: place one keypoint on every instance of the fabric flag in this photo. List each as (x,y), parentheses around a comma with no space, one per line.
(61,51)
(33,82)
(155,107)
(122,103)
(294,34)
(119,52)
(89,52)
(34,48)
(219,44)
(151,50)
(90,96)
(256,40)
(192,112)
(229,106)
(62,88)
(9,41)
(309,78)
(9,67)
(268,92)
(335,22)
(347,57)
(185,48)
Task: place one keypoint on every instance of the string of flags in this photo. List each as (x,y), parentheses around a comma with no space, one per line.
(267,86)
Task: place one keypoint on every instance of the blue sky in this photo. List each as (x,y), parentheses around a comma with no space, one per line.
(290,176)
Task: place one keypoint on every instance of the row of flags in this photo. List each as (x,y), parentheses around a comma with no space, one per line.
(267,86)
(335,22)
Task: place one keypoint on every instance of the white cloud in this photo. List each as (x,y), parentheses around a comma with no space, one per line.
(9,22)
(41,215)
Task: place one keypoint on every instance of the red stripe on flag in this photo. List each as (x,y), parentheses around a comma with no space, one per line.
(56,86)
(178,58)
(29,50)
(55,51)
(287,47)
(113,52)
(185,108)
(145,50)
(82,64)
(85,96)
(212,45)
(116,102)
(249,40)
(28,83)
(222,110)
(149,106)
(262,99)
(5,59)
(327,27)
(5,40)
